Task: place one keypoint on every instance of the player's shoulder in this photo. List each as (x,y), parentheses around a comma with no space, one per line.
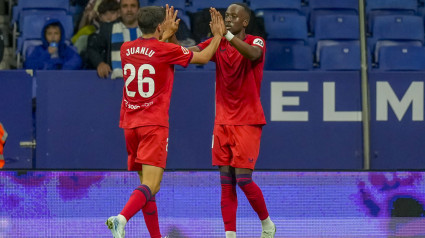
(127,44)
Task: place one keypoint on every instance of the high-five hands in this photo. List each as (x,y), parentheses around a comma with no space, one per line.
(217,23)
(170,24)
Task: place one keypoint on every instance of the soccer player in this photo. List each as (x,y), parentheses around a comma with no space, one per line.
(239,116)
(148,69)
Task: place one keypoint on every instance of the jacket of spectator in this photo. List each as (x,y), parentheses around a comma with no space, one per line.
(40,57)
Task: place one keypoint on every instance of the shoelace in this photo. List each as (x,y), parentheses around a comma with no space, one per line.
(267,234)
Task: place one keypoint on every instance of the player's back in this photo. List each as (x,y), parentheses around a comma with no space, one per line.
(148,70)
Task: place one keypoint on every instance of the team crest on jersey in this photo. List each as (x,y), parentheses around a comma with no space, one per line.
(185,50)
(258,42)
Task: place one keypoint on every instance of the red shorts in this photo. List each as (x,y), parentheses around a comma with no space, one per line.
(146,145)
(237,146)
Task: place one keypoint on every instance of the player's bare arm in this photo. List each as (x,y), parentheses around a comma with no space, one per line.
(216,26)
(170,24)
(248,51)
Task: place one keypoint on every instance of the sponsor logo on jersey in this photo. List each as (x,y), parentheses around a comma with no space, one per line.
(185,50)
(258,42)
(134,106)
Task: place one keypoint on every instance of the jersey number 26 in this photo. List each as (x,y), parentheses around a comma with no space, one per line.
(140,80)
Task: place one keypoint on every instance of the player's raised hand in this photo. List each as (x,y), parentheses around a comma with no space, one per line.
(170,24)
(216,23)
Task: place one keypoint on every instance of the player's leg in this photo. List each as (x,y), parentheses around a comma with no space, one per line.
(150,214)
(246,148)
(146,147)
(255,197)
(229,200)
(221,155)
(117,223)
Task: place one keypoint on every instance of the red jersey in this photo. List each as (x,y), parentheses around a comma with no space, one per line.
(238,83)
(148,69)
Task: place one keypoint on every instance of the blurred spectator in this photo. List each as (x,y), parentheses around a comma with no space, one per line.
(54,53)
(1,45)
(103,48)
(91,12)
(108,11)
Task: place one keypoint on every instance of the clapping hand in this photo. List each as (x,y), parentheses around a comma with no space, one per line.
(170,24)
(217,23)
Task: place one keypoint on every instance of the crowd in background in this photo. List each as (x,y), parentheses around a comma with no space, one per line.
(100,28)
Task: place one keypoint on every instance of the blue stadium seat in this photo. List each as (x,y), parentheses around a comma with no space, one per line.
(263,7)
(327,7)
(179,5)
(33,25)
(286,27)
(197,5)
(400,27)
(337,27)
(396,5)
(405,29)
(334,4)
(28,47)
(340,56)
(375,8)
(399,57)
(38,5)
(281,56)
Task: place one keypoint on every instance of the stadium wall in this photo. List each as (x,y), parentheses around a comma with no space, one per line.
(313,120)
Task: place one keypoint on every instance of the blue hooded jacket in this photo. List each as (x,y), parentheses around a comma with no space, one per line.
(40,57)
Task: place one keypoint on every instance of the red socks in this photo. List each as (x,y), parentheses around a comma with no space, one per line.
(229,201)
(137,201)
(253,194)
(150,213)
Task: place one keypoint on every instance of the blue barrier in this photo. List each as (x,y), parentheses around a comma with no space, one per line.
(16,117)
(397,127)
(301,135)
(313,120)
(77,121)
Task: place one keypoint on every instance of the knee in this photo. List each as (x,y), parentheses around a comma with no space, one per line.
(243,179)
(154,188)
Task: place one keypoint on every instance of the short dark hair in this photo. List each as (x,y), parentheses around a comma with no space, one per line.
(245,7)
(108,5)
(149,18)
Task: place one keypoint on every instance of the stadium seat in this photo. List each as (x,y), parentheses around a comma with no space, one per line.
(38,5)
(402,27)
(337,27)
(388,29)
(395,5)
(197,5)
(334,4)
(401,57)
(179,5)
(375,8)
(340,56)
(263,7)
(281,56)
(28,47)
(329,7)
(286,27)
